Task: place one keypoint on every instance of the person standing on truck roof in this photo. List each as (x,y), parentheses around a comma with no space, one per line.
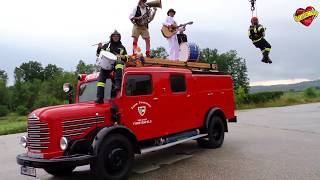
(173,40)
(141,16)
(114,46)
(257,34)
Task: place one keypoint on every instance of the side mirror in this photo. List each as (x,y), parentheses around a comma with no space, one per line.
(67,88)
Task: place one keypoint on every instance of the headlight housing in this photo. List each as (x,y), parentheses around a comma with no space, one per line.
(64,143)
(66,87)
(23,141)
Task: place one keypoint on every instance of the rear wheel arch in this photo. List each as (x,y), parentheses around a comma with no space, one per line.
(215,112)
(107,131)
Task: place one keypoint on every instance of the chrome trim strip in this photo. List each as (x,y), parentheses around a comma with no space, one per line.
(70,130)
(75,134)
(156,148)
(84,119)
(75,125)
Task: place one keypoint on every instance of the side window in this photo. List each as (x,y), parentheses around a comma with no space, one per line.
(138,85)
(178,83)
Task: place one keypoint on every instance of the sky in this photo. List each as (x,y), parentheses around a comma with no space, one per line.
(62,32)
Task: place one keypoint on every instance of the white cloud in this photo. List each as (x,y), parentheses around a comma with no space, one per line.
(278,82)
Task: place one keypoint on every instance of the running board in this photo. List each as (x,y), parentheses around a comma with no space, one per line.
(156,148)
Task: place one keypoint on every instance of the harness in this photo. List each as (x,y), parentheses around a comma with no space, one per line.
(138,12)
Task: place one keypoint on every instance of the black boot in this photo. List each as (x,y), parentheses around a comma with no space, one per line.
(265,57)
(268,58)
(100,95)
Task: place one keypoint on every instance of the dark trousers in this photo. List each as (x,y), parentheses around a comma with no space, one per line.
(105,74)
(263,45)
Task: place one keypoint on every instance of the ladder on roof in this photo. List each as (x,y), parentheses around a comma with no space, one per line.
(180,64)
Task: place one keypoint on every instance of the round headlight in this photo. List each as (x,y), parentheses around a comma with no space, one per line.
(63,143)
(23,141)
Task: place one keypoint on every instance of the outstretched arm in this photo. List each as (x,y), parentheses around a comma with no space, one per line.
(100,48)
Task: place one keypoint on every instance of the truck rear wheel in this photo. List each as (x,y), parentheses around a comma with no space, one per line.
(216,131)
(114,159)
(60,171)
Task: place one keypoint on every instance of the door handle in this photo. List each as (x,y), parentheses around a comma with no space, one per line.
(210,94)
(155,99)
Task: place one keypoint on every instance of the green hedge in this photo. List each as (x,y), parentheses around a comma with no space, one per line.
(311,93)
(258,98)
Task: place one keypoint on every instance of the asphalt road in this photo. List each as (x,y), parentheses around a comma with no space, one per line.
(272,143)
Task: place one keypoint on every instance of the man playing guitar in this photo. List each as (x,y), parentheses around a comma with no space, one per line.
(173,40)
(141,16)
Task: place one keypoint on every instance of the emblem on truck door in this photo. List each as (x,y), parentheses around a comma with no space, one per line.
(142,110)
(141,107)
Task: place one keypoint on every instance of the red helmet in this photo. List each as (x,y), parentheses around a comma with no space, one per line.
(254,20)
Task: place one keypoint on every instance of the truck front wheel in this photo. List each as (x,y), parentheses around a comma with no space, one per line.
(114,159)
(60,171)
(215,137)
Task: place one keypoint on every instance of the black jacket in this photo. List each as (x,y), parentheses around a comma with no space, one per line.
(256,32)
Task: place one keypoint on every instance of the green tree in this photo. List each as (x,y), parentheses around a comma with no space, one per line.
(25,94)
(160,52)
(28,72)
(3,76)
(83,68)
(4,93)
(51,71)
(228,63)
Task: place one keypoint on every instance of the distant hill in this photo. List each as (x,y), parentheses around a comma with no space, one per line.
(286,87)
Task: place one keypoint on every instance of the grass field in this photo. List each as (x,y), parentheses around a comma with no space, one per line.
(12,124)
(16,124)
(288,99)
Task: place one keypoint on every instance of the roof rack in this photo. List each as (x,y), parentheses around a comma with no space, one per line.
(194,66)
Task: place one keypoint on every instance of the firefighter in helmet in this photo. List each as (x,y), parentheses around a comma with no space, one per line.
(257,34)
(115,47)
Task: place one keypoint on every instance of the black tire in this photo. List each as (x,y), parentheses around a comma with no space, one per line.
(60,171)
(215,137)
(114,159)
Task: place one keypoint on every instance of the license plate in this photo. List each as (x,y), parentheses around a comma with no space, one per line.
(28,171)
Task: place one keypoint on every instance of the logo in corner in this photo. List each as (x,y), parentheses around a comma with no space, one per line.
(142,110)
(305,16)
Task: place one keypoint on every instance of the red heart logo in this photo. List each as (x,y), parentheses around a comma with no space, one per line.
(306,16)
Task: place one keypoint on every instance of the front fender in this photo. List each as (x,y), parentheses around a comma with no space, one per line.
(105,132)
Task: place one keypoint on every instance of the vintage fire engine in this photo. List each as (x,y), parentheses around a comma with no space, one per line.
(157,107)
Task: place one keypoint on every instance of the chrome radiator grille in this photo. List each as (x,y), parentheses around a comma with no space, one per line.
(38,134)
(77,127)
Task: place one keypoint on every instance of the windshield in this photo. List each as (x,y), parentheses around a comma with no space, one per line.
(88,91)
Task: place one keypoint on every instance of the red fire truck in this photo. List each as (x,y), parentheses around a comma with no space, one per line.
(157,107)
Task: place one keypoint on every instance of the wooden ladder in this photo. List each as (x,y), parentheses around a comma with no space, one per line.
(180,64)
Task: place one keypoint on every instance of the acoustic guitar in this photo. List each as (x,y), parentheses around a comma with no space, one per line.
(168,32)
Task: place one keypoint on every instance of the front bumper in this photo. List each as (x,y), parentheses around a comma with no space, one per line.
(74,160)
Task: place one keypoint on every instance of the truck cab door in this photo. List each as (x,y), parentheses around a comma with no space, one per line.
(180,109)
(139,104)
